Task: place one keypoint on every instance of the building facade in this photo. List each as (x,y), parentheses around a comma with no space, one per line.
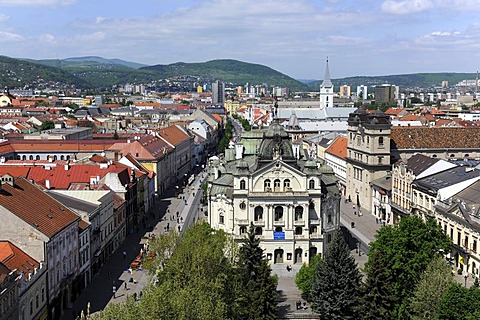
(292,202)
(368,154)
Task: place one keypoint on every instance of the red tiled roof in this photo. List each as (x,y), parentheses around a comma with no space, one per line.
(14,258)
(35,207)
(436,137)
(15,171)
(174,135)
(338,148)
(59,178)
(63,145)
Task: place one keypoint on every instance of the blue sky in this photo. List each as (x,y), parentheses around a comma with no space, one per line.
(360,37)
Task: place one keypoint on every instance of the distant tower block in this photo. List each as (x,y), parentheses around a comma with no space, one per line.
(444,84)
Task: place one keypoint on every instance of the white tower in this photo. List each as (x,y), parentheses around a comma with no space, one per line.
(326,90)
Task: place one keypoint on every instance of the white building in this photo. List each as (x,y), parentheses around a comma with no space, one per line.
(292,202)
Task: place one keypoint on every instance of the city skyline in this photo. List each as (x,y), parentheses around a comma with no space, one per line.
(360,38)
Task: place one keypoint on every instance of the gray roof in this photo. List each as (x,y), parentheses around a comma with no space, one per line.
(419,163)
(447,178)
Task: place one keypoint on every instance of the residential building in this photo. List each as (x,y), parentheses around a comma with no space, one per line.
(335,157)
(385,94)
(45,230)
(218,93)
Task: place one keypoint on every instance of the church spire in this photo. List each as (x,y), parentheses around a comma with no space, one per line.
(327,83)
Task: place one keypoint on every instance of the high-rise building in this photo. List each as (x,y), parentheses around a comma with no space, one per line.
(385,93)
(218,92)
(345,91)
(362,92)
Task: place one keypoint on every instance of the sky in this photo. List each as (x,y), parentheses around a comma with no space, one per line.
(295,37)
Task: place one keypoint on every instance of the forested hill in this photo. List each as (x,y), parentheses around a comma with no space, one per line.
(231,71)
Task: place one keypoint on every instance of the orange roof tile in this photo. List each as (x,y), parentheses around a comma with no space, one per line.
(35,207)
(174,135)
(338,148)
(15,259)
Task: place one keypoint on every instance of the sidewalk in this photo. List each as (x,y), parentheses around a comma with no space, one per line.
(115,271)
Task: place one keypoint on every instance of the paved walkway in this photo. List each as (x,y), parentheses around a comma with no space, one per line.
(115,272)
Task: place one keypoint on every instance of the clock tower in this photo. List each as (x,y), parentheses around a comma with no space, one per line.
(326,90)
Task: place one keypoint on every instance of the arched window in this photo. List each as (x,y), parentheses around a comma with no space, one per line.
(311,184)
(243,229)
(276,185)
(242,185)
(380,142)
(24,157)
(62,158)
(258,213)
(30,157)
(54,158)
(37,157)
(278,213)
(221,218)
(286,184)
(278,229)
(68,157)
(267,185)
(298,213)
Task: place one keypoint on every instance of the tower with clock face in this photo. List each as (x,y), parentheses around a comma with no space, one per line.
(368,154)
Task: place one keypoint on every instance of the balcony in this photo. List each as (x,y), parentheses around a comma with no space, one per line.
(242,222)
(300,236)
(315,222)
(279,222)
(315,236)
(259,223)
(299,222)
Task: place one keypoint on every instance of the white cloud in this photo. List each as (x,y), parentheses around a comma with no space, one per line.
(10,37)
(3,17)
(36,3)
(406,6)
(47,38)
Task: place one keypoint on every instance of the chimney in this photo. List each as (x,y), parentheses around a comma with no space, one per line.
(238,151)
(47,184)
(66,167)
(128,141)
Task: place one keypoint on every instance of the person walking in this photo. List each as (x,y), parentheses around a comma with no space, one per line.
(124,254)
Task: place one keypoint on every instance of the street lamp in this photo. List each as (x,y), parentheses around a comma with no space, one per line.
(466,276)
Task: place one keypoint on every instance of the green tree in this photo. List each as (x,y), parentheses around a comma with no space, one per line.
(433,284)
(336,289)
(378,300)
(193,279)
(406,249)
(47,125)
(305,277)
(454,303)
(260,287)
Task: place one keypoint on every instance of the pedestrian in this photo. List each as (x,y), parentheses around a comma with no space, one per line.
(124,254)
(125,284)
(135,296)
(178,228)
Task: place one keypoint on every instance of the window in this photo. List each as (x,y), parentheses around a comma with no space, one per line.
(267,185)
(380,142)
(298,231)
(243,229)
(37,157)
(24,157)
(278,229)
(286,184)
(311,184)
(380,160)
(258,213)
(242,185)
(298,213)
(278,213)
(329,218)
(242,205)
(276,185)
(221,218)
(37,301)
(30,158)
(258,231)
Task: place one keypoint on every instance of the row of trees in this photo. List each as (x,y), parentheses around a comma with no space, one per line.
(203,275)
(405,277)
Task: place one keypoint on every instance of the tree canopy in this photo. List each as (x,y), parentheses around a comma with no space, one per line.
(306,275)
(405,249)
(336,288)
